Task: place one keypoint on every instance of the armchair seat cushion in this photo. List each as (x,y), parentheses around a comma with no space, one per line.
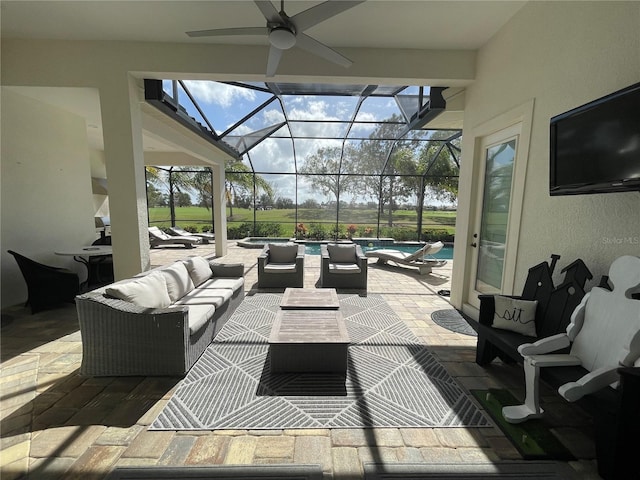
(344,268)
(280,268)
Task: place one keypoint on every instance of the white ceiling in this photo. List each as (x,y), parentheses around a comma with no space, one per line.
(420,24)
(415,24)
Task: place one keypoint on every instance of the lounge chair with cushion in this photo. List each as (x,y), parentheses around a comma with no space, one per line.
(343,266)
(420,258)
(46,286)
(206,238)
(281,265)
(157,238)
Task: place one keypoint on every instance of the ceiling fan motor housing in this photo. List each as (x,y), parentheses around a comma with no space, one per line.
(282,37)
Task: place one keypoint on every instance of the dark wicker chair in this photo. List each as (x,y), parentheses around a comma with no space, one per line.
(343,266)
(281,266)
(100,269)
(47,286)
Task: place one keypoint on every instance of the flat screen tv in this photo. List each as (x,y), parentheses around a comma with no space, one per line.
(595,148)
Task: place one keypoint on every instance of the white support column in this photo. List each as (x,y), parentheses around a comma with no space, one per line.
(122,130)
(220,207)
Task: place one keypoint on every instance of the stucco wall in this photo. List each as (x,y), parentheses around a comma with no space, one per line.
(561,55)
(46,188)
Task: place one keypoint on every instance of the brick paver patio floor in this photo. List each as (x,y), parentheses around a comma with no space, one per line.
(57,424)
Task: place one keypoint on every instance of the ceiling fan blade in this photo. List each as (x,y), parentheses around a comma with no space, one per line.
(269,11)
(314,15)
(217,32)
(275,54)
(311,45)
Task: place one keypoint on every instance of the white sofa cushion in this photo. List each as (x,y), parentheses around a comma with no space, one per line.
(198,269)
(148,291)
(209,296)
(179,282)
(199,315)
(233,284)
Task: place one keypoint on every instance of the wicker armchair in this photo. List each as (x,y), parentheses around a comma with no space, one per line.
(281,265)
(46,286)
(343,266)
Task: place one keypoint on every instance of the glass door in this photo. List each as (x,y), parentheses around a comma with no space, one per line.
(490,239)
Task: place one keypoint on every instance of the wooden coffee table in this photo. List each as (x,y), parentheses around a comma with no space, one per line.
(306,340)
(313,298)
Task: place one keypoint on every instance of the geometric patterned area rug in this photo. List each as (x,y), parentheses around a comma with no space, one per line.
(392,379)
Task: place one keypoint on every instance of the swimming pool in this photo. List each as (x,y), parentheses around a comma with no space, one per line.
(313,248)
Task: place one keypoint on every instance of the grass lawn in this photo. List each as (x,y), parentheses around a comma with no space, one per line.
(199,216)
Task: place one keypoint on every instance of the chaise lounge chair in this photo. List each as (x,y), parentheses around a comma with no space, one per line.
(157,238)
(419,258)
(206,238)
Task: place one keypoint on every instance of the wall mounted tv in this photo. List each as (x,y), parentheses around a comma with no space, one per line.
(595,148)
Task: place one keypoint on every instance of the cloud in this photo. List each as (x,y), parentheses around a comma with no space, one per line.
(220,94)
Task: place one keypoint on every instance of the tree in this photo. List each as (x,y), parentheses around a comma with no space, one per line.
(380,160)
(239,180)
(284,202)
(183,199)
(324,169)
(155,198)
(439,170)
(310,203)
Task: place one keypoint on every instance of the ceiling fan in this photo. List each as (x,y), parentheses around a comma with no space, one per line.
(285,32)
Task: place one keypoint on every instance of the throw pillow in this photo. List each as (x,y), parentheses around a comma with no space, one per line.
(179,282)
(149,291)
(515,315)
(342,253)
(199,270)
(283,252)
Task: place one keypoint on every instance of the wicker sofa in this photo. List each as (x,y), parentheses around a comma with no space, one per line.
(158,322)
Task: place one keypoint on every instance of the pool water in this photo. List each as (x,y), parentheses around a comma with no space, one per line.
(312,248)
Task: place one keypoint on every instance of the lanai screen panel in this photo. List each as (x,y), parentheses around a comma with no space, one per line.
(331,155)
